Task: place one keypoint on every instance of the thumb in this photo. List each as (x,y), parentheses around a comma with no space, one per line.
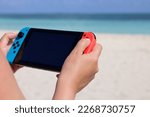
(82,45)
(6,38)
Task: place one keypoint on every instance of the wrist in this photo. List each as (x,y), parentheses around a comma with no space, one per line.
(64,90)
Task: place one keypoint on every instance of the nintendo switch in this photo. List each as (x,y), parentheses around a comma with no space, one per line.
(46,49)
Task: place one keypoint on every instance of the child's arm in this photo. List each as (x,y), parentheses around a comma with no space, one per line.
(8,86)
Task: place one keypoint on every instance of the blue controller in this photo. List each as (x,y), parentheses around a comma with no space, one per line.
(17,45)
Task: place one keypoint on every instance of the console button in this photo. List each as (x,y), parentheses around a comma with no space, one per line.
(18,45)
(14,51)
(14,44)
(14,47)
(17,42)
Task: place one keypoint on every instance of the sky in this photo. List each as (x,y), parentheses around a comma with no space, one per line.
(74,6)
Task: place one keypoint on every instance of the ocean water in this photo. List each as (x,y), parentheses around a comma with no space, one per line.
(122,24)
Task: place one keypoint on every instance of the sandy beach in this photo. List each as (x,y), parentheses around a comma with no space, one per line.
(124,71)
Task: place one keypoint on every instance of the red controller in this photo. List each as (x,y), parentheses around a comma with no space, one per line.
(92,37)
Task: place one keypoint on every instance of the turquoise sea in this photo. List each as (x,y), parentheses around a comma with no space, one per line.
(103,23)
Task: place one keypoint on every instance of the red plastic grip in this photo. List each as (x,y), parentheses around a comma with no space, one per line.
(91,36)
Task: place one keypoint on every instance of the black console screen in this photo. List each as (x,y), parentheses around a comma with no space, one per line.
(47,49)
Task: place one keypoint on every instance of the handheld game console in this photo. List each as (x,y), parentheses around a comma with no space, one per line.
(46,49)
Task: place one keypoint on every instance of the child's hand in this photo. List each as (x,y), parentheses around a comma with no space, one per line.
(78,70)
(5,44)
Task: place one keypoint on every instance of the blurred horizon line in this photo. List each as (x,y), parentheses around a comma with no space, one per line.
(125,16)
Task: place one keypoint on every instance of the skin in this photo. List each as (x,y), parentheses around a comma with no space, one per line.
(77,72)
(5,44)
(8,85)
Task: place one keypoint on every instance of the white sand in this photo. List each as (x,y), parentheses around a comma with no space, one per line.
(124,72)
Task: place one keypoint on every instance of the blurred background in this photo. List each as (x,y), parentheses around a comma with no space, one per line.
(106,16)
(121,26)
